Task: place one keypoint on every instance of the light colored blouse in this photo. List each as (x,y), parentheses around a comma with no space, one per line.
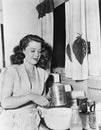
(23,118)
(22,85)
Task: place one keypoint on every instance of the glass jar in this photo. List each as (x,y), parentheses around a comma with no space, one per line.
(76,123)
(92,120)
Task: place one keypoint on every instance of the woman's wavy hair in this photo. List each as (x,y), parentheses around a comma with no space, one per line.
(46,53)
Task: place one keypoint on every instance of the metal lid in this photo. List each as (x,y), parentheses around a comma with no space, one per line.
(56,77)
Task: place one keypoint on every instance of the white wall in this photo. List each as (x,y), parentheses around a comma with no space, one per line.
(1,20)
(20,18)
(94,88)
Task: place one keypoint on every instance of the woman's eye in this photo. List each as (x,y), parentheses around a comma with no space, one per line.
(32,51)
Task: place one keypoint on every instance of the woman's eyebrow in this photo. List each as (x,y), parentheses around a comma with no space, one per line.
(35,49)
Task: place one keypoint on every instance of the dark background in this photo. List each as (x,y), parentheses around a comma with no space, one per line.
(58,59)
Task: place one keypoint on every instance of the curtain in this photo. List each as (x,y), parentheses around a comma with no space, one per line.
(93,35)
(76,65)
(45,20)
(45,23)
(82,55)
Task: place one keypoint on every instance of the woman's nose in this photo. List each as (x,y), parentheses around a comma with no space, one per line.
(37,53)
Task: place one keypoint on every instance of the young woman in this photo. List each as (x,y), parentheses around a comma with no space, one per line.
(24,85)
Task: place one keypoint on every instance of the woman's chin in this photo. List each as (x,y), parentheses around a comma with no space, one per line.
(34,62)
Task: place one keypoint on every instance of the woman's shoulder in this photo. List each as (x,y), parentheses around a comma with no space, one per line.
(11,67)
(43,72)
(11,70)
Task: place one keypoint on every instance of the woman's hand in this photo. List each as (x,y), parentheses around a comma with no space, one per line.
(40,100)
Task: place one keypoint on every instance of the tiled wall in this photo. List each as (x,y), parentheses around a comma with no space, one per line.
(92,86)
(77,85)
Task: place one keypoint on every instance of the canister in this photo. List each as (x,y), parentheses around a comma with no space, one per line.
(98,114)
(58,95)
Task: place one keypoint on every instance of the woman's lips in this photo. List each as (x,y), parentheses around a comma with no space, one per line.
(36,59)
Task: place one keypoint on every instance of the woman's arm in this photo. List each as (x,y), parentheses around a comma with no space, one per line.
(9,101)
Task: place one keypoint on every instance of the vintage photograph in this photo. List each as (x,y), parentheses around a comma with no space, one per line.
(50,64)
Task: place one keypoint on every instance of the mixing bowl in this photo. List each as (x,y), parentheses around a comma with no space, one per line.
(57,118)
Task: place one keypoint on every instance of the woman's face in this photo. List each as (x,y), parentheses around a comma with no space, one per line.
(33,52)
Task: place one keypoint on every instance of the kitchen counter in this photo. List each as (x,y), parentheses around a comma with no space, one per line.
(84,118)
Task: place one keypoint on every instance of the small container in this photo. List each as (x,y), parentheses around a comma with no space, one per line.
(92,120)
(82,103)
(98,114)
(58,95)
(99,126)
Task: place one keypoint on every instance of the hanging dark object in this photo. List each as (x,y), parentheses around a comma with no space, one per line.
(44,8)
(79,49)
(69,52)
